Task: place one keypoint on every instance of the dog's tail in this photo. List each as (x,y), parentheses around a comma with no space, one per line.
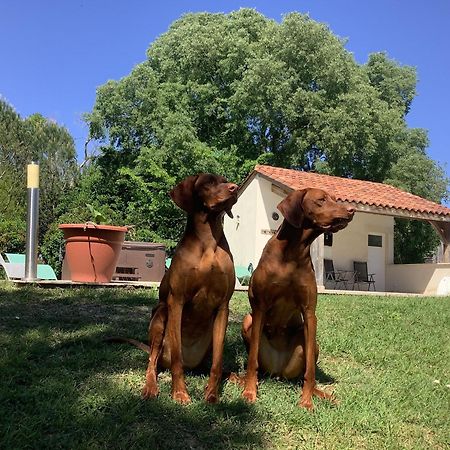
(134,342)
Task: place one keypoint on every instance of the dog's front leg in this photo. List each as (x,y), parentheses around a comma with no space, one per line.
(219,330)
(156,338)
(175,311)
(310,329)
(251,377)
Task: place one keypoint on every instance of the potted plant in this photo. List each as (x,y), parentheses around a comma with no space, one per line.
(92,249)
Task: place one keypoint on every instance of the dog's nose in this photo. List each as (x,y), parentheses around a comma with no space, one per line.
(350,210)
(232,187)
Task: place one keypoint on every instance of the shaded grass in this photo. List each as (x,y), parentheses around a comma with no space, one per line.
(386,359)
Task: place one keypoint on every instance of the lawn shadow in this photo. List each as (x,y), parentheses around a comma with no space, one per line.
(68,389)
(162,424)
(321,377)
(235,357)
(324,378)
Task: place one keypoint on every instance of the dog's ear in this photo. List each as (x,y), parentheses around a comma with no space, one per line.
(183,193)
(292,209)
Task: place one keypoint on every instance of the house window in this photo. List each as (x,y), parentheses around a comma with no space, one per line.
(328,239)
(374,240)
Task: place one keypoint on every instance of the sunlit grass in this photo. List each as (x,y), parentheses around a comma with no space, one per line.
(386,360)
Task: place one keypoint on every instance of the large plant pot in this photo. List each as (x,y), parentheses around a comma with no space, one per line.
(92,251)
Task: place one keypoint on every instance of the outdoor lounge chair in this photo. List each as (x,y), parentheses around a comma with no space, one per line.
(243,274)
(336,276)
(15,267)
(362,275)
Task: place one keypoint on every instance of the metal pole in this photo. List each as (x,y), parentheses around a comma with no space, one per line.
(32,221)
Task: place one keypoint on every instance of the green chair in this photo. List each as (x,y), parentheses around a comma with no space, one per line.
(243,274)
(17,261)
(15,258)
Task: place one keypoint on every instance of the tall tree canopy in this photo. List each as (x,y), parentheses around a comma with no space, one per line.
(221,92)
(22,141)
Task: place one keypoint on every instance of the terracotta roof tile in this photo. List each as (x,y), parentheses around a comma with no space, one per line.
(351,190)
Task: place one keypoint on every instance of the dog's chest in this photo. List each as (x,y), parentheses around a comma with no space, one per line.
(214,264)
(213,275)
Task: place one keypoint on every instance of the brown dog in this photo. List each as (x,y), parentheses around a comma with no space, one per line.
(280,334)
(192,314)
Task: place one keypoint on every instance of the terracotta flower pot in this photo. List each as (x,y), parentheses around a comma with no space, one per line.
(92,251)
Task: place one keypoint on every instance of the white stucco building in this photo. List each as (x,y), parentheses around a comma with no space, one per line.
(368,238)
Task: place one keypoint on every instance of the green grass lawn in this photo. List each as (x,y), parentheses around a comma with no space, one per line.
(387,359)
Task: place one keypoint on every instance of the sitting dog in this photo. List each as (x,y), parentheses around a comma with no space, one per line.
(280,333)
(191,317)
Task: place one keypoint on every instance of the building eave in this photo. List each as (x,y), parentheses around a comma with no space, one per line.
(361,207)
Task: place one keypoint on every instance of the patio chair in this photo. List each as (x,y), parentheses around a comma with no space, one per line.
(335,276)
(15,267)
(362,275)
(243,274)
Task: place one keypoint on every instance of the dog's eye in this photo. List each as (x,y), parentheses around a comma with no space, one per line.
(320,201)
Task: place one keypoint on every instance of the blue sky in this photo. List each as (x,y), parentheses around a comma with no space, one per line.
(55,53)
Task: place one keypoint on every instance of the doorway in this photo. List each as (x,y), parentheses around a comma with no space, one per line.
(376,259)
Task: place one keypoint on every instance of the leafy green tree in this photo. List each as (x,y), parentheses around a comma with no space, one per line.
(54,148)
(415,172)
(396,84)
(22,141)
(221,92)
(12,156)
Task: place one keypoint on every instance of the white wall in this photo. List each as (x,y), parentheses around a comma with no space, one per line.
(428,279)
(265,224)
(252,225)
(240,231)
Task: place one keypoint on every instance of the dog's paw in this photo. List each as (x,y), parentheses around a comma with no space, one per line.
(181,397)
(325,395)
(236,379)
(249,395)
(211,395)
(211,398)
(306,403)
(149,391)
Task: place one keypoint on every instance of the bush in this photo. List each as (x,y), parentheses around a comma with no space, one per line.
(12,235)
(52,248)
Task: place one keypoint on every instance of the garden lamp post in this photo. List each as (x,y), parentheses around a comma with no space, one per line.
(32,221)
